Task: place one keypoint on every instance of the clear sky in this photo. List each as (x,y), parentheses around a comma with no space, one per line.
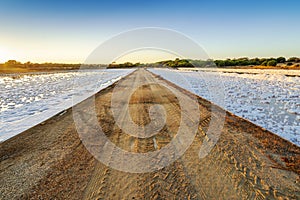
(68,31)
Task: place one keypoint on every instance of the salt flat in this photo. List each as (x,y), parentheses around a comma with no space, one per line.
(269,99)
(29,99)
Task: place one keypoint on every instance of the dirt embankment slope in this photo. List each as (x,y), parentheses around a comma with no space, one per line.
(49,160)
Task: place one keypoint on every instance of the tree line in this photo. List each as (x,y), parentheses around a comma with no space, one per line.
(272,62)
(177,63)
(48,66)
(256,61)
(124,65)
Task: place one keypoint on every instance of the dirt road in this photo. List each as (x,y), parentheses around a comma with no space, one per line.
(49,161)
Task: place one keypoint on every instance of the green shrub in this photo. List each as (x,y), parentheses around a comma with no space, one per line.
(264,63)
(293,59)
(281,60)
(272,63)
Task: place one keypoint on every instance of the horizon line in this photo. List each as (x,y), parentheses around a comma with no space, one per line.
(213,59)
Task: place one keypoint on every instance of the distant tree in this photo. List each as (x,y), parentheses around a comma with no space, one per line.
(242,61)
(229,62)
(264,63)
(179,63)
(262,60)
(220,63)
(28,64)
(272,63)
(184,63)
(293,59)
(281,60)
(208,63)
(201,63)
(12,62)
(254,61)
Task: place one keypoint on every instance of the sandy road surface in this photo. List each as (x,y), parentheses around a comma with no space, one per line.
(49,160)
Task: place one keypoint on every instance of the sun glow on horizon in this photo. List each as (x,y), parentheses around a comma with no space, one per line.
(5,55)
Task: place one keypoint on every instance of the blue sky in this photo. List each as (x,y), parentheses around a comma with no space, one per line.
(68,31)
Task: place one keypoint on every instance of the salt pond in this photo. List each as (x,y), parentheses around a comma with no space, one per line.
(29,99)
(270,100)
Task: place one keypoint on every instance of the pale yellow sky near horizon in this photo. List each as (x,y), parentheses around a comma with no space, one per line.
(141,56)
(146,56)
